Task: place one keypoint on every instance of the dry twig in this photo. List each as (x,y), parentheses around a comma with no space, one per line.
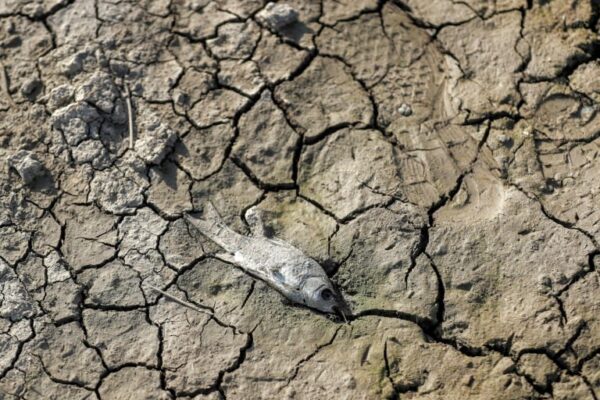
(129,115)
(4,84)
(182,302)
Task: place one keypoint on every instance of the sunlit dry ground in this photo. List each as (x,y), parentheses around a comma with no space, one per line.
(440,159)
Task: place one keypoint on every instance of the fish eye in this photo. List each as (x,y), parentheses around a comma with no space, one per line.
(326,294)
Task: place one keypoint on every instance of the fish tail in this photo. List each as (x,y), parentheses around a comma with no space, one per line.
(211,225)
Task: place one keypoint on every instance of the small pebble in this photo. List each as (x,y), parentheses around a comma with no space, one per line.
(30,86)
(277,16)
(468,380)
(587,113)
(26,165)
(505,140)
(405,110)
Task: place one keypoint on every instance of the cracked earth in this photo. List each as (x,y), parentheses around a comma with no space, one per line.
(441,160)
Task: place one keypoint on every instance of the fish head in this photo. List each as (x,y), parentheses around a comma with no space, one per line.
(320,294)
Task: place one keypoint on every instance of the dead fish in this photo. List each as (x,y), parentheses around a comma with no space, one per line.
(284,267)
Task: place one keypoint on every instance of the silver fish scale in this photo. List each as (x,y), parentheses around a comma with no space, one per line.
(274,260)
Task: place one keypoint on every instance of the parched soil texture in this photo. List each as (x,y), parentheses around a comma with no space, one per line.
(440,159)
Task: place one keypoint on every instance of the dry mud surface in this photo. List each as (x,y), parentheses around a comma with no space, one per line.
(440,159)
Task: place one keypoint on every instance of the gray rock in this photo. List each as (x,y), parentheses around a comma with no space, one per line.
(77,63)
(60,96)
(277,16)
(405,110)
(99,90)
(30,86)
(56,270)
(76,121)
(27,165)
(91,152)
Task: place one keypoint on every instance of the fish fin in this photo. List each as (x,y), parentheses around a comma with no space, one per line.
(278,276)
(211,225)
(226,257)
(209,218)
(210,213)
(254,218)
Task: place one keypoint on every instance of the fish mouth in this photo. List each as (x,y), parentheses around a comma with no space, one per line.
(342,311)
(341,308)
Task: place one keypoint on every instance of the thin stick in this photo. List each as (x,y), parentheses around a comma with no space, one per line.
(344,315)
(182,302)
(4,83)
(129,115)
